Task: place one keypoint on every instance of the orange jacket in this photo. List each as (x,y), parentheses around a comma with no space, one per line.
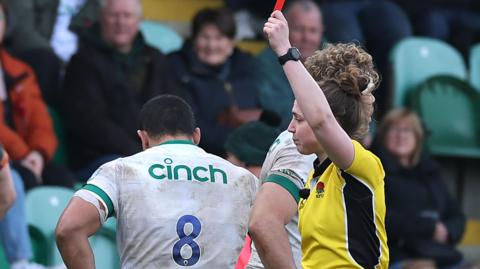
(33,128)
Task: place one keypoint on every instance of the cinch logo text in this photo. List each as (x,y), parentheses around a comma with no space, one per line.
(175,172)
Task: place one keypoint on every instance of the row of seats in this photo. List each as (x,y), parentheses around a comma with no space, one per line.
(44,206)
(430,76)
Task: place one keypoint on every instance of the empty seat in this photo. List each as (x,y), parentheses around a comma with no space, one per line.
(474,63)
(415,59)
(161,37)
(44,207)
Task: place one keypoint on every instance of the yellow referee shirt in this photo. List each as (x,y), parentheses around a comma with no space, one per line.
(342,222)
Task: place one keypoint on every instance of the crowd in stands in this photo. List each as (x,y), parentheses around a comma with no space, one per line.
(88,60)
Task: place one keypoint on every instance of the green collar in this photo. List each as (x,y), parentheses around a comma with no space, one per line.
(185,142)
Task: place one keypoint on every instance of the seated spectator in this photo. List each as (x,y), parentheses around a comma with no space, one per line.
(457,22)
(248,145)
(106,83)
(306,32)
(219,81)
(376,24)
(26,128)
(7,190)
(423,221)
(41,37)
(45,24)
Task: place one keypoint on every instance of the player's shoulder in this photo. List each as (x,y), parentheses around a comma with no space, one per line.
(362,153)
(211,158)
(282,142)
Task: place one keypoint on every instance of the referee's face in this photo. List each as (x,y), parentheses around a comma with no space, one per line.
(303,135)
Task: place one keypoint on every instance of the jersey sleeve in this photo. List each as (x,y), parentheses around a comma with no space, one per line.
(366,166)
(103,185)
(290,170)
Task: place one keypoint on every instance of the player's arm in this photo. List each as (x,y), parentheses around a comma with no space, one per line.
(79,221)
(310,98)
(274,207)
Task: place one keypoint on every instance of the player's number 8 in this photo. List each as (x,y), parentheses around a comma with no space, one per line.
(187,240)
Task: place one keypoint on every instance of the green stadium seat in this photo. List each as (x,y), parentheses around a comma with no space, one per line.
(105,251)
(161,37)
(40,245)
(450,110)
(3,259)
(109,228)
(474,63)
(415,59)
(61,155)
(44,207)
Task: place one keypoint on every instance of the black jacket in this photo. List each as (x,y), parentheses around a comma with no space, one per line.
(212,90)
(416,198)
(103,93)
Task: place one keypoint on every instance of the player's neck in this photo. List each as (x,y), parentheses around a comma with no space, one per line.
(167,138)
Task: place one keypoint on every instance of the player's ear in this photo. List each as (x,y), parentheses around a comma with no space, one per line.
(197,135)
(144,138)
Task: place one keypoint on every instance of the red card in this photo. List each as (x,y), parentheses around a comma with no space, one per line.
(279,5)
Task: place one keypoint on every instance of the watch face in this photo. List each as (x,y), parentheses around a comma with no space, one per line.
(295,53)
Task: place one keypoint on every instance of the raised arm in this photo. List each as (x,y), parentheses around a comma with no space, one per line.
(310,98)
(274,207)
(80,220)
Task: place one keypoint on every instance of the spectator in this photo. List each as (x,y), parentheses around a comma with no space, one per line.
(26,128)
(423,221)
(7,191)
(40,36)
(106,83)
(220,82)
(376,24)
(248,145)
(45,24)
(457,22)
(306,33)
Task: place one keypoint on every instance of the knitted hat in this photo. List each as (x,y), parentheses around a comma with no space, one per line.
(251,141)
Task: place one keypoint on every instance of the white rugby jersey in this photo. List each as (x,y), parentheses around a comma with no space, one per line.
(176,206)
(287,167)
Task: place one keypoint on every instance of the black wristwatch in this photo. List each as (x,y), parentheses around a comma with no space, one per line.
(292,54)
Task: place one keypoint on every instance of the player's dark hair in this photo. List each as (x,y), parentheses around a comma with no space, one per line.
(167,115)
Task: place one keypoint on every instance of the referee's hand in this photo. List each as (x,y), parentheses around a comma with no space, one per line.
(276,30)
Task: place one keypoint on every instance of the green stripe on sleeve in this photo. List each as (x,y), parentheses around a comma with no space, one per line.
(286,183)
(102,195)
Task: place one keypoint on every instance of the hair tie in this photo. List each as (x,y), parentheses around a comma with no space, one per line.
(370,88)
